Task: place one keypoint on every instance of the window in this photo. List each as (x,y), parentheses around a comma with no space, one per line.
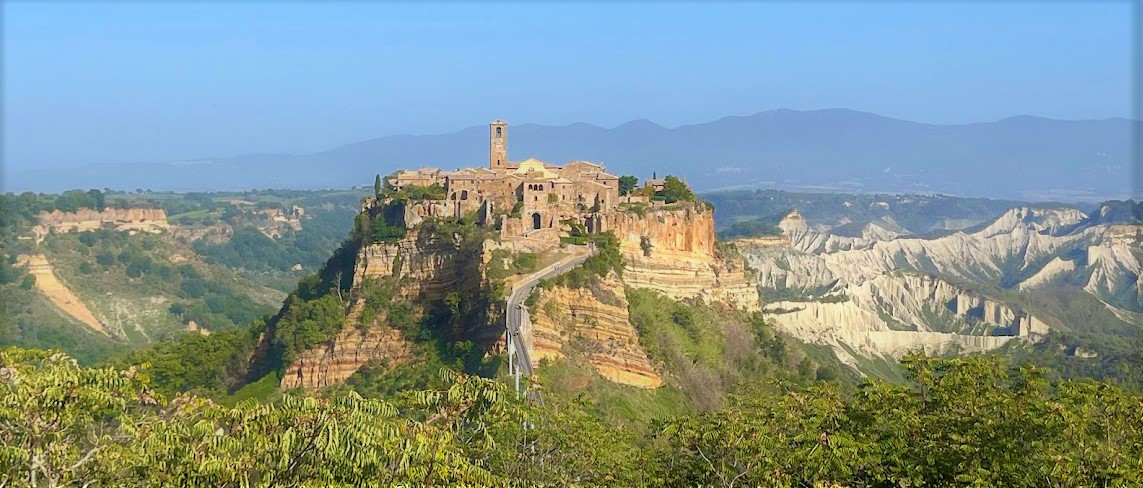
(498,132)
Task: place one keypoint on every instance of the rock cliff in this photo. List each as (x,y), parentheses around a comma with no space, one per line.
(335,361)
(673,251)
(594,323)
(428,264)
(853,294)
(85,219)
(898,313)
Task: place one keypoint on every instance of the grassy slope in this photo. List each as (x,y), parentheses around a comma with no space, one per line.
(704,353)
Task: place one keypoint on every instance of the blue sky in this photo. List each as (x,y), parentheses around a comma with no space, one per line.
(136,81)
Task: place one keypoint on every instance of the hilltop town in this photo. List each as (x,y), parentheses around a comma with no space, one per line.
(529,199)
(657,237)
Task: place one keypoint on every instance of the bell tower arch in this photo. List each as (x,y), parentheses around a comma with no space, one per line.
(498,144)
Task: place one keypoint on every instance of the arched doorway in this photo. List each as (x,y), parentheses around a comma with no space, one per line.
(536,220)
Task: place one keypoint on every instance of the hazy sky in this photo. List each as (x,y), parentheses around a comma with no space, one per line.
(162,81)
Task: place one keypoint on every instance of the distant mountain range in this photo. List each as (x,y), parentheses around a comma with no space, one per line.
(832,150)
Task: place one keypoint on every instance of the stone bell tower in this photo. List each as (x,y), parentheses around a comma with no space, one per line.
(498,144)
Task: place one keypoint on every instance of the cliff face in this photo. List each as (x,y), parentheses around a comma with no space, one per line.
(1116,263)
(85,219)
(898,313)
(886,311)
(595,324)
(334,362)
(428,267)
(674,252)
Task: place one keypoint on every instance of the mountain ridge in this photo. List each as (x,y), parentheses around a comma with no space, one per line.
(849,149)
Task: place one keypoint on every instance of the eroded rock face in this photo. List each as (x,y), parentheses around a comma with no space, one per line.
(428,267)
(873,294)
(59,294)
(674,252)
(792,223)
(1116,263)
(334,362)
(599,326)
(898,313)
(431,267)
(85,219)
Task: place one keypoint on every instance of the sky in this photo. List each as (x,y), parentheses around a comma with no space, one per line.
(167,81)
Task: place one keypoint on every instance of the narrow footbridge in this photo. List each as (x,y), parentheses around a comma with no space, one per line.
(516,316)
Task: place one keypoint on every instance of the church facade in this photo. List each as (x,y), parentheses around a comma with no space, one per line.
(526,196)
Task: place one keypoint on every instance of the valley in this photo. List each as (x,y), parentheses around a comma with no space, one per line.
(652,330)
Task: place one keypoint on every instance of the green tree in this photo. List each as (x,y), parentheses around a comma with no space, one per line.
(627,184)
(377,186)
(65,425)
(675,190)
(96,199)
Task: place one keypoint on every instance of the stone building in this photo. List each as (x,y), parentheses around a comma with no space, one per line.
(526,196)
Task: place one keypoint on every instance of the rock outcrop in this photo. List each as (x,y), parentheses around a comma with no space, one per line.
(596,324)
(334,362)
(855,297)
(793,223)
(124,219)
(898,313)
(428,267)
(275,221)
(673,251)
(1115,263)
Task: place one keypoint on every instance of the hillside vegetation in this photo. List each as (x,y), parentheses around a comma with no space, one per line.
(959,422)
(213,270)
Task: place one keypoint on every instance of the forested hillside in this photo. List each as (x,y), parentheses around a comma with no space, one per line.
(105,285)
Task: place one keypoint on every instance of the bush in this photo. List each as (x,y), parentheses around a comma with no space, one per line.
(525,262)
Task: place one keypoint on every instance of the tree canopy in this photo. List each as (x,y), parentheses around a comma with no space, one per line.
(627,184)
(675,190)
